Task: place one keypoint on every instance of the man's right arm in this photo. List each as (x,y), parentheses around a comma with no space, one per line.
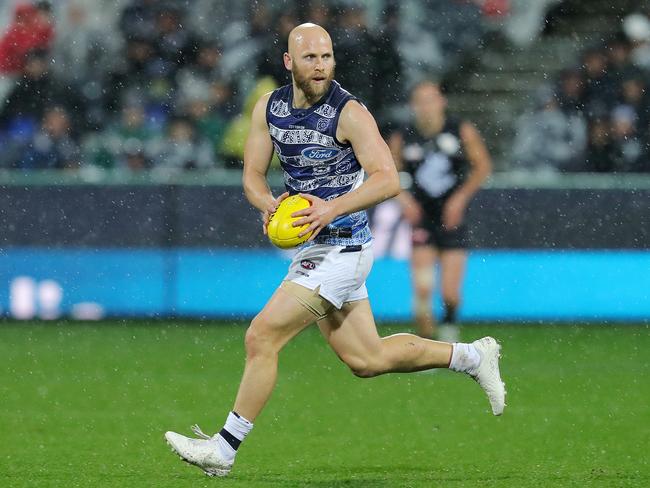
(257,158)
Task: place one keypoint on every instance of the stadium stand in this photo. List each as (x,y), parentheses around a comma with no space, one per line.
(124,73)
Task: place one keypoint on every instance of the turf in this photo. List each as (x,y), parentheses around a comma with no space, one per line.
(87,405)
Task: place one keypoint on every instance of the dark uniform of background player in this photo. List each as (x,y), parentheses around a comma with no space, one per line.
(444,162)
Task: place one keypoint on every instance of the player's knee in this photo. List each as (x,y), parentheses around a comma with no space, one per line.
(422,306)
(423,292)
(423,282)
(258,340)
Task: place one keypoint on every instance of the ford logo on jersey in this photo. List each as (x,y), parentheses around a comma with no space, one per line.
(319,153)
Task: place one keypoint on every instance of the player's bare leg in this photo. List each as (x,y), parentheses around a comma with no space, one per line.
(352,333)
(423,260)
(281,319)
(452,266)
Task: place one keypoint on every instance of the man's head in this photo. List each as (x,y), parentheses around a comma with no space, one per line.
(56,121)
(427,101)
(310,58)
(36,64)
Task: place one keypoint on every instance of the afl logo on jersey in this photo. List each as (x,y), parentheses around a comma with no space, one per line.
(319,153)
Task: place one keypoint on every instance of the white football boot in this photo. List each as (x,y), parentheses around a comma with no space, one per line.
(487,373)
(203,452)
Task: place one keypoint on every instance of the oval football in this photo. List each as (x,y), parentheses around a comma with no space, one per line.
(280,229)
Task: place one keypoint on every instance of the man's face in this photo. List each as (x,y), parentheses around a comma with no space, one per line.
(312,65)
(427,102)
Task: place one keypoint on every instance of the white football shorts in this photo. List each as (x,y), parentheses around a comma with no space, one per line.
(339,271)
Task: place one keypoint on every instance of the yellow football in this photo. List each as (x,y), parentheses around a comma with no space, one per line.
(280,229)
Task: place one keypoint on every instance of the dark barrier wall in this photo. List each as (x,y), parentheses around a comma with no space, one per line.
(206,216)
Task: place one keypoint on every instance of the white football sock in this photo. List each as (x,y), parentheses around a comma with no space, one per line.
(464,357)
(225,449)
(233,433)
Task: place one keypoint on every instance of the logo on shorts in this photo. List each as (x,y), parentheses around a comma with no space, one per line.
(307,264)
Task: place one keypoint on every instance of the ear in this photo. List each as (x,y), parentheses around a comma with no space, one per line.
(287,61)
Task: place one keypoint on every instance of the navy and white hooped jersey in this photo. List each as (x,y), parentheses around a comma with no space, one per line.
(313,160)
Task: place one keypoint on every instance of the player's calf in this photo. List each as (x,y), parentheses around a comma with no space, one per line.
(362,367)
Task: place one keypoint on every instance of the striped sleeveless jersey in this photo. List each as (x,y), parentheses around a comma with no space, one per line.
(314,161)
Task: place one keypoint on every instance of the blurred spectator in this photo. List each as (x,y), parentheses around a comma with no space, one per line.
(571,91)
(82,52)
(549,139)
(390,91)
(138,19)
(600,90)
(637,29)
(355,53)
(617,50)
(527,20)
(175,46)
(600,149)
(30,30)
(436,36)
(232,148)
(208,113)
(242,47)
(52,146)
(129,143)
(139,78)
(37,90)
(44,12)
(367,65)
(610,94)
(224,21)
(626,142)
(198,77)
(634,95)
(183,147)
(271,58)
(318,12)
(83,57)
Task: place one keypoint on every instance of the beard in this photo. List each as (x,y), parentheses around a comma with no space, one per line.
(312,92)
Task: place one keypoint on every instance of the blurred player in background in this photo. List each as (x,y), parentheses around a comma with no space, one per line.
(325,140)
(444,163)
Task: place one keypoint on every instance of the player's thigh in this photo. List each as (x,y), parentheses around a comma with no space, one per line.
(452,264)
(352,333)
(282,318)
(423,260)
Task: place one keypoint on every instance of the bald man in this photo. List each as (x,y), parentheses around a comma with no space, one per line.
(326,140)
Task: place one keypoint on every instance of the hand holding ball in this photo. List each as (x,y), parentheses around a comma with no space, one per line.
(280,230)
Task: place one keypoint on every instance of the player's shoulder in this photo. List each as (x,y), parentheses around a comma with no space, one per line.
(355,114)
(337,89)
(340,97)
(277,93)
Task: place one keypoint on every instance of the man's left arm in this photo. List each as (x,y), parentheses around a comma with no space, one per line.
(481,168)
(358,127)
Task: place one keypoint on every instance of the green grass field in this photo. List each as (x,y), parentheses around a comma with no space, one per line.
(87,405)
